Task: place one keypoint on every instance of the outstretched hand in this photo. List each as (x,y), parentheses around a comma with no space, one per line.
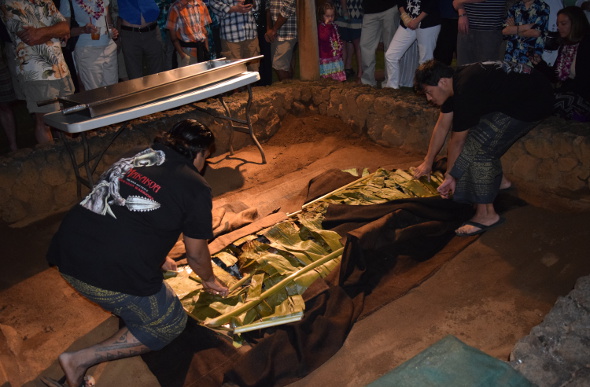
(169,265)
(214,286)
(424,169)
(447,188)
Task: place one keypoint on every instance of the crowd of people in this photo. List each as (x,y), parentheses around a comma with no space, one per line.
(52,48)
(538,33)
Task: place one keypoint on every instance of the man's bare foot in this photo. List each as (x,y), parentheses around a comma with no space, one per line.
(74,373)
(476,226)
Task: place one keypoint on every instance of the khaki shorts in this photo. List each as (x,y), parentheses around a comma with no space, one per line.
(282,53)
(36,91)
(242,50)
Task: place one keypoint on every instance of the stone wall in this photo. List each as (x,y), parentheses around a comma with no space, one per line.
(550,165)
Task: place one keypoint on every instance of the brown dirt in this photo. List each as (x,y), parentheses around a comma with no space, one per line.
(40,316)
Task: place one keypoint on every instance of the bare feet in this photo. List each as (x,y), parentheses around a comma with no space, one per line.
(74,373)
(478,225)
(505,183)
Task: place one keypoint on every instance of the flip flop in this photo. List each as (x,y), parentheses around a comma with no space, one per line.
(88,381)
(482,227)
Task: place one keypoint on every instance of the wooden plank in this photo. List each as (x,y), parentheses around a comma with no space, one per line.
(307,27)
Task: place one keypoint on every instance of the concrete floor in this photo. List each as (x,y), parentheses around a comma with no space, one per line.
(489,296)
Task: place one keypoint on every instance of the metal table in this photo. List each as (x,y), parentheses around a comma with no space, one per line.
(79,120)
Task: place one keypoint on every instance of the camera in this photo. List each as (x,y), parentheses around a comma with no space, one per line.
(248,2)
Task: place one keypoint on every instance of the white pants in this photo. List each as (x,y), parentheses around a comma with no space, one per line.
(376,27)
(97,66)
(402,40)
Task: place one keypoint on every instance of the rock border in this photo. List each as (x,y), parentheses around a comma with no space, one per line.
(550,165)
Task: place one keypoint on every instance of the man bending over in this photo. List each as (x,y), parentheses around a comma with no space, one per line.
(488,105)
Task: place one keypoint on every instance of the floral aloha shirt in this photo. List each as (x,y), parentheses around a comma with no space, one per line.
(43,61)
(518,48)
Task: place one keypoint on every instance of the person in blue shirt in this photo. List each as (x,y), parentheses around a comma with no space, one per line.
(140,37)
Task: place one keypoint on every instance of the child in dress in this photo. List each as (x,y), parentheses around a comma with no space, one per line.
(331,63)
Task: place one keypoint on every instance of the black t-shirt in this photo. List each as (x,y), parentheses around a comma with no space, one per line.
(377,6)
(118,237)
(513,89)
(415,7)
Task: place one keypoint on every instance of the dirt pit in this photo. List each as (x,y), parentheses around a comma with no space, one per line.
(489,296)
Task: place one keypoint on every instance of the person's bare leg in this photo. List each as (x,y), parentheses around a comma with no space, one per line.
(9,125)
(121,345)
(484,214)
(42,131)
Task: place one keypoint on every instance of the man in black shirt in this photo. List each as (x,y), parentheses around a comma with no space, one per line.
(113,245)
(489,106)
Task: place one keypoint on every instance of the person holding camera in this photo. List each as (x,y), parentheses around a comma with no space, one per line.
(239,35)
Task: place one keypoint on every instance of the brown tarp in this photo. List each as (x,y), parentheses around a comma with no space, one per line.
(389,249)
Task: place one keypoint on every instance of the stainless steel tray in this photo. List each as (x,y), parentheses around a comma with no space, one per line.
(135,92)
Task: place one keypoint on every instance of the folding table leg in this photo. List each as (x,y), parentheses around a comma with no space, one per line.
(246,126)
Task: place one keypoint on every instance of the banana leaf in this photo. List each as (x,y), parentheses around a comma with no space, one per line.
(227,258)
(290,310)
(275,291)
(280,262)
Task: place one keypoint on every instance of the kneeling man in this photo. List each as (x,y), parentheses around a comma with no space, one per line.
(113,245)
